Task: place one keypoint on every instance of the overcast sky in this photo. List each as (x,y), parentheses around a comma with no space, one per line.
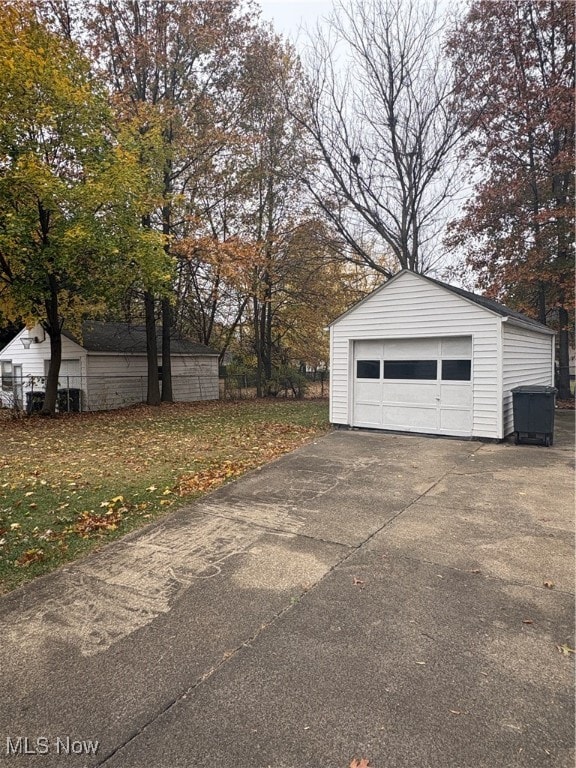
(289,15)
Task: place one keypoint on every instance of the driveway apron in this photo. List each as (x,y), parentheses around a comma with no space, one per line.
(399,599)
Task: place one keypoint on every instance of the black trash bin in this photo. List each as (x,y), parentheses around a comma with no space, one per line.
(534,413)
(34,401)
(69,400)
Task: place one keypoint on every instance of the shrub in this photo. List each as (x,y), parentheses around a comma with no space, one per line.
(288,380)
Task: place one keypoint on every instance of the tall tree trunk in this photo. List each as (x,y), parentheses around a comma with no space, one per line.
(564,392)
(258,348)
(267,331)
(167,394)
(54,330)
(153,390)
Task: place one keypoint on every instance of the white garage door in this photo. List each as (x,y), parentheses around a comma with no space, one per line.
(414,385)
(70,376)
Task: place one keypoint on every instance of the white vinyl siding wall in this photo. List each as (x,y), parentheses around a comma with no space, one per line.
(409,308)
(528,359)
(341,359)
(116,380)
(34,366)
(107,380)
(33,360)
(195,378)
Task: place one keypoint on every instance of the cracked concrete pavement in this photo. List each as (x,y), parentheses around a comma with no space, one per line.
(370,595)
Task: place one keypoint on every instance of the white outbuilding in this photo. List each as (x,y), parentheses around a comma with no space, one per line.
(418,355)
(107,368)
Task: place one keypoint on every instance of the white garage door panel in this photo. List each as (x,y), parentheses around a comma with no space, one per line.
(412,418)
(410,349)
(368,415)
(369,392)
(459,395)
(459,346)
(409,392)
(368,350)
(455,422)
(438,406)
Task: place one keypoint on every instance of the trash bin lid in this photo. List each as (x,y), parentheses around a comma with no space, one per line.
(535,389)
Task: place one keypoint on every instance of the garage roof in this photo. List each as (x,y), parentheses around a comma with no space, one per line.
(131,339)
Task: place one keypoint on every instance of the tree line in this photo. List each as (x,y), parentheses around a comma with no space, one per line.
(177,164)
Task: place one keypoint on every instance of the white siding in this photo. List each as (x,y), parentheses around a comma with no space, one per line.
(34,362)
(410,307)
(107,380)
(195,378)
(528,359)
(116,380)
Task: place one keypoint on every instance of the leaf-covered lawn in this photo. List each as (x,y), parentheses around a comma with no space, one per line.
(70,484)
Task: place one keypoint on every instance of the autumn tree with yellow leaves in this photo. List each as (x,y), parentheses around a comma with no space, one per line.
(70,191)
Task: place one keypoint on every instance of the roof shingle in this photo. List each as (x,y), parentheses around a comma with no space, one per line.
(131,339)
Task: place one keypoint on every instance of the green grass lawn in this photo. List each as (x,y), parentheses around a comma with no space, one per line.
(70,484)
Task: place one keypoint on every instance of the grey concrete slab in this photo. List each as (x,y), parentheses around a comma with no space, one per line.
(321,490)
(417,666)
(501,544)
(564,429)
(97,650)
(521,457)
(324,608)
(507,510)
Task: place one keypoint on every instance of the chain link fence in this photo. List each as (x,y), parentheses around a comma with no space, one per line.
(242,386)
(97,393)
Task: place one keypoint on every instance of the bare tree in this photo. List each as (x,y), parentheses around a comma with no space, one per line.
(378,112)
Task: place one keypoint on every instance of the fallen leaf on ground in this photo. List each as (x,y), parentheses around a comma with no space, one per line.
(89,522)
(360,763)
(527,621)
(549,584)
(211,478)
(30,556)
(565,649)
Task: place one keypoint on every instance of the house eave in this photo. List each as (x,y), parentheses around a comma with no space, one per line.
(528,326)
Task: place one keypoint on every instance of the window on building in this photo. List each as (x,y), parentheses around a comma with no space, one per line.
(410,369)
(368,369)
(7,376)
(456,370)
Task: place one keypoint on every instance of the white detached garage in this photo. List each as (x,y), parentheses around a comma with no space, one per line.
(417,355)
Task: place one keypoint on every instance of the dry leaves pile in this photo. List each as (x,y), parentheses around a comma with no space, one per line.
(214,476)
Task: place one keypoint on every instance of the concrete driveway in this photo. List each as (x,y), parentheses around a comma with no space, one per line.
(399,599)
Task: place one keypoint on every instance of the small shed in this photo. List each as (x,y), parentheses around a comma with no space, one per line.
(106,369)
(418,355)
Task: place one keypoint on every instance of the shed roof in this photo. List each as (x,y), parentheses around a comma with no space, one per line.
(131,339)
(482,301)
